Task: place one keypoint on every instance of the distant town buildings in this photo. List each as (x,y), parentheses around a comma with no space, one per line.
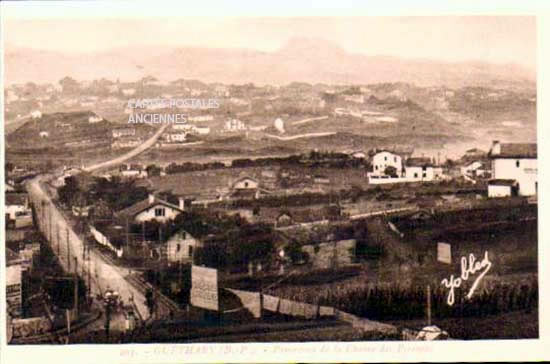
(95,119)
(123,132)
(233,125)
(126,142)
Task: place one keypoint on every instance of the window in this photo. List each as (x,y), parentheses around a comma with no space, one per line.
(517,164)
(395,159)
(415,175)
(190,251)
(184,235)
(160,212)
(246,184)
(178,248)
(386,158)
(376,167)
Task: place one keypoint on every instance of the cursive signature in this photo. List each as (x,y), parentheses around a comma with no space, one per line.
(468,267)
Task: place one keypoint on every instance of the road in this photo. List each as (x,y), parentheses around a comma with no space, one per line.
(69,246)
(134,152)
(300,136)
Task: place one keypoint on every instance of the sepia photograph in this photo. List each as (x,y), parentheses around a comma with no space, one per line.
(268,179)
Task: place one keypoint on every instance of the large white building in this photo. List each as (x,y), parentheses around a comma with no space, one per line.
(383,159)
(514,169)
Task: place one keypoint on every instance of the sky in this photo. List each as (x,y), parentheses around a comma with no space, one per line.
(85,27)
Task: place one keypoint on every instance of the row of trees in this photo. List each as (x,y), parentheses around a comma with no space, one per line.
(313,159)
(115,193)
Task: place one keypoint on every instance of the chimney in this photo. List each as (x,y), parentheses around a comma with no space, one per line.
(182,204)
(151,198)
(495,148)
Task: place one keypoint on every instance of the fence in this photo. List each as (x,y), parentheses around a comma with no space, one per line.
(255,302)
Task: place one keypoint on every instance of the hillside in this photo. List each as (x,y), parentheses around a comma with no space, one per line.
(301,60)
(62,131)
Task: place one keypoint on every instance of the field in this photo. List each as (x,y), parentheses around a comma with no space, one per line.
(213,181)
(393,288)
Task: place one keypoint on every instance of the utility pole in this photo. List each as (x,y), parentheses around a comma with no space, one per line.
(50,224)
(127,233)
(68,250)
(58,242)
(429,305)
(76,287)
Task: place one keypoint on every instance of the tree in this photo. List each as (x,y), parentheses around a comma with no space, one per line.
(153,170)
(69,85)
(68,192)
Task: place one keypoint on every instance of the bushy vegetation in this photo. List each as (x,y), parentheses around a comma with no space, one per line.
(406,303)
(116,193)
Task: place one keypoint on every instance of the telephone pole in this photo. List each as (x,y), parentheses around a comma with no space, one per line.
(68,250)
(76,287)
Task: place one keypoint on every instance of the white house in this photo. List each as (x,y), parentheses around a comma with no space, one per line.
(201,131)
(245,183)
(475,168)
(94,119)
(150,209)
(16,204)
(200,118)
(127,142)
(44,134)
(383,159)
(514,169)
(123,132)
(176,137)
(234,125)
(36,114)
(422,169)
(181,246)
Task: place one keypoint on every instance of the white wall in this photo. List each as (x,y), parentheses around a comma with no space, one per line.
(499,191)
(382,160)
(149,214)
(246,184)
(13,209)
(419,174)
(525,174)
(102,239)
(184,241)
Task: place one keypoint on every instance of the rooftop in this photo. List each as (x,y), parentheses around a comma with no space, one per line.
(132,211)
(419,162)
(515,150)
(16,199)
(503,182)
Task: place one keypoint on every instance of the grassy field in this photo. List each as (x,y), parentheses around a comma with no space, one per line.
(211,181)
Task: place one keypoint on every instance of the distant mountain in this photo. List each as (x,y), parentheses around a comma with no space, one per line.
(300,60)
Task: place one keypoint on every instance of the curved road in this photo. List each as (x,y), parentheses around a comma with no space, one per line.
(69,246)
(140,149)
